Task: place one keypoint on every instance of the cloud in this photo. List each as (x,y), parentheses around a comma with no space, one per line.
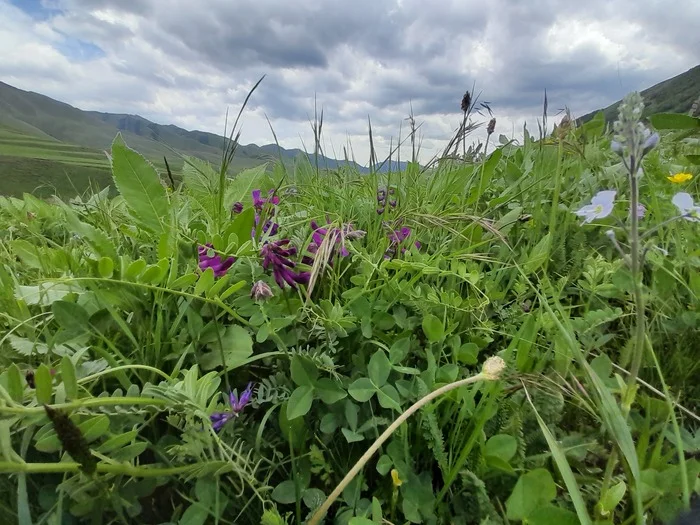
(184,63)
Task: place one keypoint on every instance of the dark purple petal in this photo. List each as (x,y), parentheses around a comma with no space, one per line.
(380,211)
(219,419)
(237,207)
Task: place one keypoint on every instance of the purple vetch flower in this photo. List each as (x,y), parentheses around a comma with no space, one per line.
(346,232)
(261,291)
(214,261)
(219,419)
(641,211)
(396,238)
(276,255)
(237,207)
(259,202)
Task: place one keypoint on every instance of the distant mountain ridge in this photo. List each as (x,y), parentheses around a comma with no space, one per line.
(36,114)
(675,95)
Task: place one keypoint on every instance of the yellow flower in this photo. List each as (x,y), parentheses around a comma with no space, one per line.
(678,178)
(395,478)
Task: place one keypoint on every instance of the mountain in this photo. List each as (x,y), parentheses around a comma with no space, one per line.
(38,116)
(675,95)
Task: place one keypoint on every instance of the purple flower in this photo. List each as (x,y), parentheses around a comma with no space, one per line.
(340,235)
(219,419)
(396,238)
(261,291)
(259,202)
(237,207)
(275,255)
(641,211)
(214,262)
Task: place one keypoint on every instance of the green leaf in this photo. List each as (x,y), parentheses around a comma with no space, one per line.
(14,383)
(243,224)
(329,423)
(359,520)
(205,282)
(384,464)
(304,371)
(105,267)
(130,452)
(352,436)
(538,256)
(468,354)
(674,121)
(612,498)
(294,431)
(330,391)
(388,397)
(285,492)
(362,389)
(532,490)
(117,442)
(379,368)
(501,446)
(42,380)
(399,350)
(95,427)
(550,515)
(313,498)
(300,402)
(237,347)
(140,186)
(71,316)
(433,329)
(70,382)
(240,188)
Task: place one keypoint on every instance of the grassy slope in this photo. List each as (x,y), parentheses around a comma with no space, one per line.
(675,95)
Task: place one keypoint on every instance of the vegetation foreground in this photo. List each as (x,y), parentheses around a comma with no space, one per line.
(500,337)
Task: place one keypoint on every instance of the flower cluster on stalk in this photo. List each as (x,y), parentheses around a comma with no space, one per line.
(276,256)
(338,236)
(209,259)
(397,239)
(384,195)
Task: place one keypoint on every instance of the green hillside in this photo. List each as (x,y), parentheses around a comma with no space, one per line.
(675,95)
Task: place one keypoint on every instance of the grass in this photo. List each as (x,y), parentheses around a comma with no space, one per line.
(189,383)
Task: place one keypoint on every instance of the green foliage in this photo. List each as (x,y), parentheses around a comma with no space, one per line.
(109,318)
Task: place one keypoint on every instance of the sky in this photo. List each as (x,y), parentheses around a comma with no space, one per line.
(186,62)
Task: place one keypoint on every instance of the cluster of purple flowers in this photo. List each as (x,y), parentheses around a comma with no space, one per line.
(382,199)
(276,255)
(259,204)
(396,239)
(219,419)
(340,235)
(214,261)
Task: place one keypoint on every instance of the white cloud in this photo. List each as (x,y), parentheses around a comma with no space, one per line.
(184,63)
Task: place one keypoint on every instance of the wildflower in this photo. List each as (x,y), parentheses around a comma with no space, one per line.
(493,367)
(274,254)
(237,207)
(684,202)
(680,178)
(650,143)
(214,261)
(380,211)
(338,236)
(219,419)
(641,211)
(396,238)
(601,206)
(259,202)
(261,291)
(395,479)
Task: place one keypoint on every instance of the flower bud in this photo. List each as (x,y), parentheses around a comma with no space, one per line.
(261,291)
(493,367)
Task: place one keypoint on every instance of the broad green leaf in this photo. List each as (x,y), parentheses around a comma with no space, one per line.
(240,188)
(538,256)
(674,121)
(300,401)
(71,316)
(362,389)
(533,489)
(135,269)
(285,492)
(388,397)
(70,382)
(359,520)
(42,380)
(294,431)
(433,329)
(129,452)
(95,427)
(28,253)
(303,370)
(140,186)
(468,354)
(97,239)
(205,282)
(330,391)
(243,225)
(232,289)
(379,368)
(237,347)
(313,498)
(329,423)
(399,350)
(502,446)
(351,436)
(184,281)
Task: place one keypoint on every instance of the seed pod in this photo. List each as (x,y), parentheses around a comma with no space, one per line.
(72,439)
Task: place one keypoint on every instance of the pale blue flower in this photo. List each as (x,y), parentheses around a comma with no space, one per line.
(601,206)
(684,202)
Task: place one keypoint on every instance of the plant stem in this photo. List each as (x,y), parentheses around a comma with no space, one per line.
(85,403)
(8,467)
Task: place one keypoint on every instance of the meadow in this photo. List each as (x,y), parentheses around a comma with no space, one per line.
(506,335)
